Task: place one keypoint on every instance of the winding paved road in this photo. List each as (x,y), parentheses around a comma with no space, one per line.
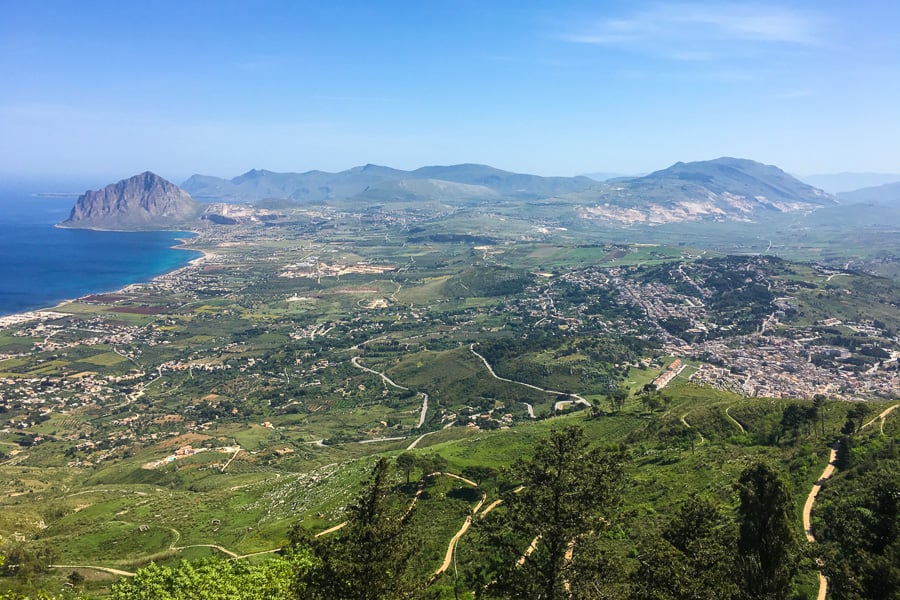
(576,399)
(735,421)
(416,441)
(388,381)
(385,378)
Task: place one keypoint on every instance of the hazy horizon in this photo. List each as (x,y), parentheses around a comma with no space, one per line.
(105,90)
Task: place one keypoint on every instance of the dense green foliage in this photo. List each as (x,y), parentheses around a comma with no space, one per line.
(217,580)
(692,559)
(858,521)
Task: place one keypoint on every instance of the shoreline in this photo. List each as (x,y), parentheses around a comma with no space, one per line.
(24,316)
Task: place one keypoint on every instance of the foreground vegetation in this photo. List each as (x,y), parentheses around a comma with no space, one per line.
(615,504)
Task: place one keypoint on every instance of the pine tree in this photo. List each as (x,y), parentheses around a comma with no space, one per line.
(369,558)
(767,557)
(541,544)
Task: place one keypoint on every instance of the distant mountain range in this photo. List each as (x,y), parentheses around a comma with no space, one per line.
(720,189)
(145,201)
(375,183)
(888,193)
(836,183)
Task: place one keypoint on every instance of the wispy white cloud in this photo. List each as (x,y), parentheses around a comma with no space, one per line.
(694,31)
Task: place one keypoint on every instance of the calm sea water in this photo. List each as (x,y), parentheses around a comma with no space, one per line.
(41,265)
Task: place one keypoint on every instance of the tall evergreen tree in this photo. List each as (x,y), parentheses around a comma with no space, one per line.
(541,544)
(819,404)
(369,558)
(768,550)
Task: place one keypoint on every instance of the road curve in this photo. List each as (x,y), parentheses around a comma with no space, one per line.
(576,399)
(214,546)
(448,556)
(332,529)
(416,441)
(733,420)
(355,362)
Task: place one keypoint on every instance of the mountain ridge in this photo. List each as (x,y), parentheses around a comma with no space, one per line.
(888,193)
(321,186)
(719,189)
(839,183)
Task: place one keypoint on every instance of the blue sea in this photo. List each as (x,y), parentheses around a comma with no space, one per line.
(41,265)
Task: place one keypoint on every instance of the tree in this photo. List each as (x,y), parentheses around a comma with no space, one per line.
(858,415)
(652,400)
(569,493)
(860,533)
(617,399)
(767,558)
(792,417)
(479,473)
(406,462)
(691,560)
(812,418)
(432,463)
(25,562)
(75,578)
(369,559)
(819,404)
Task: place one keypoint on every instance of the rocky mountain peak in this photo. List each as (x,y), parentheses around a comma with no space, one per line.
(145,201)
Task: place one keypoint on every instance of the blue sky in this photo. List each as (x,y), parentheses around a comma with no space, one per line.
(108,89)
